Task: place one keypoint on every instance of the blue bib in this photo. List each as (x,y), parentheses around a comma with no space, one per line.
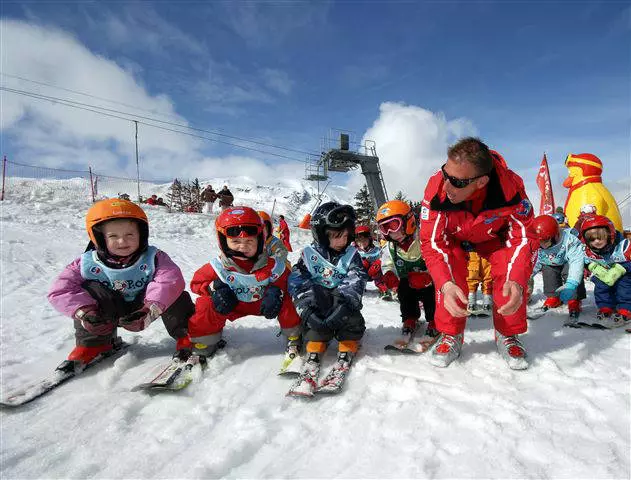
(323,272)
(129,281)
(245,285)
(371,255)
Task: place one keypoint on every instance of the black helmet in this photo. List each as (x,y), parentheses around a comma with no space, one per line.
(334,216)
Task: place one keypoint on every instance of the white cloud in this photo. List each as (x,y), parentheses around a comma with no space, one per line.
(412,145)
(277,80)
(57,136)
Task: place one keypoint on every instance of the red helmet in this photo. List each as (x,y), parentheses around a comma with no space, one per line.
(363,230)
(545,227)
(239,222)
(595,221)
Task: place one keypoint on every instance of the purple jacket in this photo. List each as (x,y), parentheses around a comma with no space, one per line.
(66,294)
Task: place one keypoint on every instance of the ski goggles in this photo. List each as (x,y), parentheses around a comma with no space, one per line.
(243,231)
(389,225)
(459,182)
(340,216)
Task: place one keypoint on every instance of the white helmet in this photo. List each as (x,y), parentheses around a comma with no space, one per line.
(588,208)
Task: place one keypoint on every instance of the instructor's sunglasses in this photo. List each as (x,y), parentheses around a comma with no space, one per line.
(459,182)
(389,225)
(243,231)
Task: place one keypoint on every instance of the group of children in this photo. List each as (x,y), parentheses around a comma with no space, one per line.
(123,281)
(567,256)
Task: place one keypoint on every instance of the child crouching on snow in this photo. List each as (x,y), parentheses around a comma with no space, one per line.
(608,257)
(327,285)
(120,281)
(242,280)
(371,259)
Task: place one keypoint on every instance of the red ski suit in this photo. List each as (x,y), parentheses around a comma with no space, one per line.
(497,231)
(283,229)
(207,321)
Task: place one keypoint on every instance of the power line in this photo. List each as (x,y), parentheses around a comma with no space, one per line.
(131,118)
(179,125)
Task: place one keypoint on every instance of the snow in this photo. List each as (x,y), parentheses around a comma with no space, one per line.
(399,417)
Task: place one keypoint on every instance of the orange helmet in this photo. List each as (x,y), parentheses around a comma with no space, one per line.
(267,221)
(396,209)
(114,209)
(237,222)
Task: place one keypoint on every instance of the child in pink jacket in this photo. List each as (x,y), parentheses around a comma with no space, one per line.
(120,281)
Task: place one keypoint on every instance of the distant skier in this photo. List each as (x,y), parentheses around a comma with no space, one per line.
(120,281)
(283,230)
(608,257)
(208,196)
(371,259)
(561,260)
(327,285)
(225,198)
(273,245)
(242,280)
(404,267)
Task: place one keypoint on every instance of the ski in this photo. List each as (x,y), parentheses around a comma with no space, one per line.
(65,371)
(535,313)
(400,344)
(307,383)
(178,373)
(333,382)
(292,363)
(410,343)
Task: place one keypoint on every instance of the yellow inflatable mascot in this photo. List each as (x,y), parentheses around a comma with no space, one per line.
(586,186)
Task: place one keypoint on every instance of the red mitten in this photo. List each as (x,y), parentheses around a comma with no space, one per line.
(375,269)
(419,280)
(391,280)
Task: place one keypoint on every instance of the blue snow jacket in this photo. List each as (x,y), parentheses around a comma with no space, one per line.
(569,250)
(351,288)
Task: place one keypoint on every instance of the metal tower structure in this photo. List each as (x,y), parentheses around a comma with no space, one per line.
(337,156)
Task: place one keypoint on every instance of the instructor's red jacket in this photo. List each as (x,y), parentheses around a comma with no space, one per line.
(501,224)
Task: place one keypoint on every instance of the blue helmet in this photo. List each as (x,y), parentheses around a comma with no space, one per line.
(559,217)
(334,216)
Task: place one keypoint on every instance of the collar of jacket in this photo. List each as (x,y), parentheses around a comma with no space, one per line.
(498,194)
(260,263)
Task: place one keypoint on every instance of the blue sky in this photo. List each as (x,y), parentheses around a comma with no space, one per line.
(526,77)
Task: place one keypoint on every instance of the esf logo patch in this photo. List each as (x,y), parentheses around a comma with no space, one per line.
(230,278)
(143,267)
(95,270)
(314,258)
(525,207)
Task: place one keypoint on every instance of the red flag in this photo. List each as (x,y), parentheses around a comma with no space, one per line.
(546,206)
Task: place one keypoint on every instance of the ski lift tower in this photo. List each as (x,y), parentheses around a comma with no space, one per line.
(338,157)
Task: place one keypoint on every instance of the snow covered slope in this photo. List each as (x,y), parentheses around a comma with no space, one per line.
(399,417)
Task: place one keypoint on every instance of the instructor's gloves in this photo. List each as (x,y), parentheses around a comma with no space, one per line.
(224,299)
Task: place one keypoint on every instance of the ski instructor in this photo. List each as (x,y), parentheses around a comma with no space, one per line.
(475,203)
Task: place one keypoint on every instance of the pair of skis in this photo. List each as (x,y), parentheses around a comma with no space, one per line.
(412,343)
(307,385)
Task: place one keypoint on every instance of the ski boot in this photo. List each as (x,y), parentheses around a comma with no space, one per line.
(307,383)
(603,318)
(574,309)
(487,304)
(551,302)
(446,349)
(472,304)
(386,296)
(410,325)
(512,350)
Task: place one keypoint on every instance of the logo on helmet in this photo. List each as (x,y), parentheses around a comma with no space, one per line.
(237,212)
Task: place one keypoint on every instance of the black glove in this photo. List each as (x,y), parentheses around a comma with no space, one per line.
(339,317)
(223,297)
(272,302)
(313,320)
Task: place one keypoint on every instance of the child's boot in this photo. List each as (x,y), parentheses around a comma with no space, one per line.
(551,302)
(472,307)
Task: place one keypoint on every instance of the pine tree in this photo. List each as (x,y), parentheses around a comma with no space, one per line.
(364,206)
(400,196)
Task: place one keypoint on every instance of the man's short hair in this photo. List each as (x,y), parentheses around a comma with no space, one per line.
(472,150)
